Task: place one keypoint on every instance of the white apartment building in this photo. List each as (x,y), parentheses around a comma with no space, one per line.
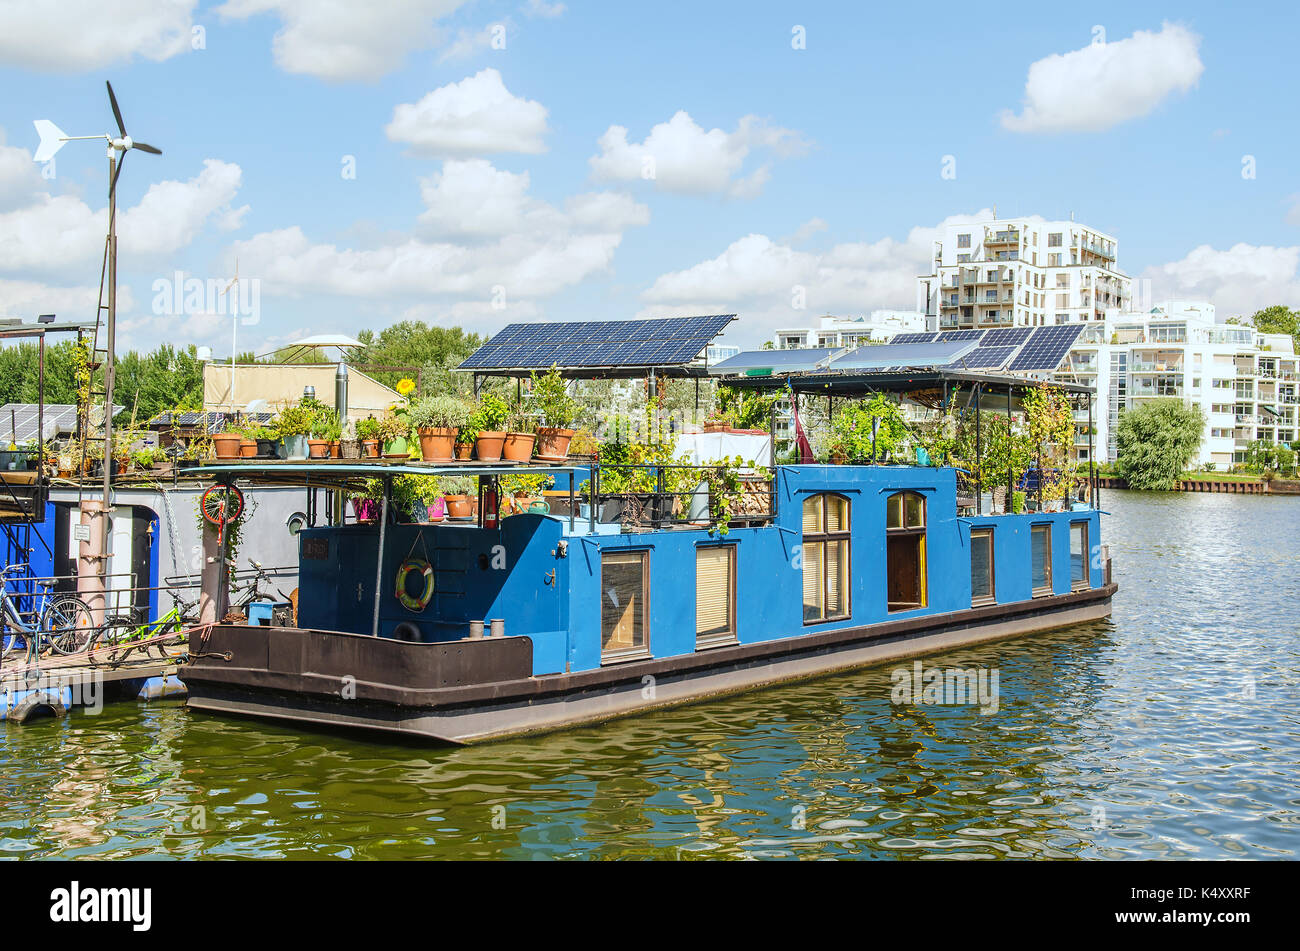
(1244,380)
(840,332)
(1022,272)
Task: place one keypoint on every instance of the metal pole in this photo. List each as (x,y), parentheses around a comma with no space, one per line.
(1006,506)
(109,368)
(40,410)
(379,555)
(1092,477)
(223,576)
(979,453)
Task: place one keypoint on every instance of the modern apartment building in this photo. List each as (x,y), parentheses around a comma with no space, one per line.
(840,332)
(1022,272)
(1244,380)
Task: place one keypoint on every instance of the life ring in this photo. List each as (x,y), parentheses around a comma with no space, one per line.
(410,602)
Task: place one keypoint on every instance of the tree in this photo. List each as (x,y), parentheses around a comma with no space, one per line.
(410,345)
(1156,441)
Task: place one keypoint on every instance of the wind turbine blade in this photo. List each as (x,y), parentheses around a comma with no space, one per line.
(143,147)
(50,140)
(117,113)
(117,173)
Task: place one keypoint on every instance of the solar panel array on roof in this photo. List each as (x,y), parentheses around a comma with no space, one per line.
(659,342)
(913,338)
(987,358)
(1047,347)
(961,334)
(18,421)
(797,360)
(1006,336)
(209,421)
(892,356)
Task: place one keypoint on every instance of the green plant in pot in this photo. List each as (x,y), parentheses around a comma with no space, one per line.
(294,425)
(551,399)
(458,493)
(489,425)
(369,433)
(394,430)
(437,420)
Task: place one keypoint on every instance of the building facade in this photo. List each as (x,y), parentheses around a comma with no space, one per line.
(1022,272)
(839,332)
(1244,380)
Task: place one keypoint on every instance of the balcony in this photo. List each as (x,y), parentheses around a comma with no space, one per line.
(996,238)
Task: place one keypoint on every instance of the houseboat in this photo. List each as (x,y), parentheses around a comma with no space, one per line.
(463,632)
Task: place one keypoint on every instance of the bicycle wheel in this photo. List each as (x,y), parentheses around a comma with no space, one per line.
(68,624)
(114,631)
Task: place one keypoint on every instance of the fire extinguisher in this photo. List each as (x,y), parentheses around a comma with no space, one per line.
(490,505)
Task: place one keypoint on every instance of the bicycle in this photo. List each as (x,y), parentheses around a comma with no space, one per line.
(127,631)
(62,623)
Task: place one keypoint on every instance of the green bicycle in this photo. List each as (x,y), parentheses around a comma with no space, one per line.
(129,633)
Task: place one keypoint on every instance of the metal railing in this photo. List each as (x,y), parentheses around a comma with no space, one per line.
(651,497)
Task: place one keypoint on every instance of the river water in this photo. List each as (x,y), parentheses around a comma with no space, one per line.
(1169,731)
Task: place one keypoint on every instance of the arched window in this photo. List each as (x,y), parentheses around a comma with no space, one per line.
(825,558)
(905,555)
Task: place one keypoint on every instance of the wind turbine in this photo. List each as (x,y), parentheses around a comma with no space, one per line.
(53,139)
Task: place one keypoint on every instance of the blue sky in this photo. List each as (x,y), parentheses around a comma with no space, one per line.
(817,167)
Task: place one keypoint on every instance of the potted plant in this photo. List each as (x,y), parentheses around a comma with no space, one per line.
(318,443)
(489,423)
(393,432)
(334,436)
(294,424)
(438,420)
(465,438)
(558,410)
(520,438)
(368,435)
(456,491)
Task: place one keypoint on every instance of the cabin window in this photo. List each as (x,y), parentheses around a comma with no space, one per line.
(981,566)
(905,551)
(1079,556)
(715,595)
(624,603)
(825,558)
(1040,555)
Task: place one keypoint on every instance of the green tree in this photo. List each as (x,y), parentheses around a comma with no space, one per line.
(1156,441)
(410,345)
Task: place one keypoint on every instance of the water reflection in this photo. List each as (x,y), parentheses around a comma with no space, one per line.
(1168,731)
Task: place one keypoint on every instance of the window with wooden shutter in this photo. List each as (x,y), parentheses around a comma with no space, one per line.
(624,603)
(825,553)
(715,595)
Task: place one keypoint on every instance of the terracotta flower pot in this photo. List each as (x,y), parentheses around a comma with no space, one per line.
(464,449)
(336,450)
(518,447)
(553,443)
(488,445)
(370,448)
(227,445)
(318,448)
(247,448)
(436,444)
(459,506)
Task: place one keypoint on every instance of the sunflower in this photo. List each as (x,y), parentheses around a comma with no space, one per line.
(405,386)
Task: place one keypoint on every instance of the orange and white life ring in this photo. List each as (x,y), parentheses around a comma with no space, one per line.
(410,601)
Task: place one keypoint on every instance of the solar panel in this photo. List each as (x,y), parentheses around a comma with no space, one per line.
(988,358)
(661,341)
(1047,347)
(892,355)
(19,421)
(790,361)
(961,335)
(913,338)
(1006,336)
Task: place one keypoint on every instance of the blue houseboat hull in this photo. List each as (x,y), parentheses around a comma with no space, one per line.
(858,565)
(446,695)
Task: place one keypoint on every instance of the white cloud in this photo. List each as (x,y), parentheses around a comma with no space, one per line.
(341,40)
(26,299)
(1293,213)
(59,235)
(1104,84)
(80,35)
(766,280)
(806,230)
(481,231)
(468,43)
(476,116)
(680,156)
(540,8)
(20,177)
(1239,280)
